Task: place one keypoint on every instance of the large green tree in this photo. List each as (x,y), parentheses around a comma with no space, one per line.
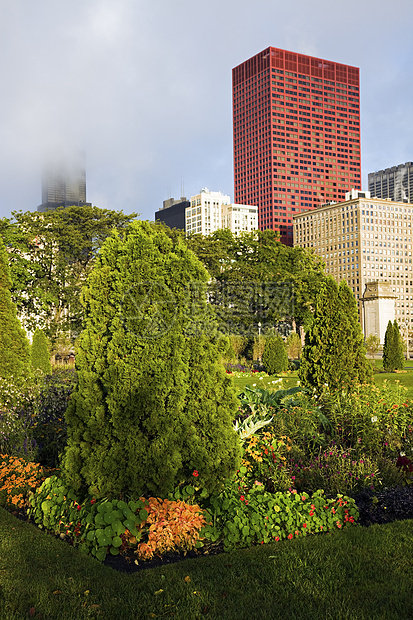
(334,354)
(153,407)
(51,254)
(257,279)
(14,345)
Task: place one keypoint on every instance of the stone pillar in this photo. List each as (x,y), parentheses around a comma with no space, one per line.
(378,308)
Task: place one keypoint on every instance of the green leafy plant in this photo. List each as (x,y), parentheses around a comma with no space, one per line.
(96,526)
(242,516)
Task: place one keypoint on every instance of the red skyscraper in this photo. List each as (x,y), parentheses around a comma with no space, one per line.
(296,134)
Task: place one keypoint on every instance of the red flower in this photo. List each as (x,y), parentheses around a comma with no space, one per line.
(92,501)
(405,463)
(304,524)
(277,538)
(246,502)
(311,513)
(242,498)
(290,536)
(195,473)
(79,507)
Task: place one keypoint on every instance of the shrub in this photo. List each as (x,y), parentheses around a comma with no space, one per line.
(48,427)
(275,357)
(39,353)
(152,402)
(375,421)
(17,412)
(393,358)
(32,421)
(334,352)
(14,345)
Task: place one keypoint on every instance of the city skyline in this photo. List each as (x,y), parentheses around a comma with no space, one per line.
(151,106)
(296,134)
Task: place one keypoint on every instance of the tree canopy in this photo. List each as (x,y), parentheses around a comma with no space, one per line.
(50,255)
(256,278)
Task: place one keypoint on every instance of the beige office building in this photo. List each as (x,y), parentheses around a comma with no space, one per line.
(364,240)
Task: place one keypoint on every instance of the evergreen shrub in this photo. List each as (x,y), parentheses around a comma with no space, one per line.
(152,406)
(39,353)
(14,345)
(393,358)
(334,354)
(275,358)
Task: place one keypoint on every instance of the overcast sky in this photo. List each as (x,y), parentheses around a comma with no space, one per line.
(145,88)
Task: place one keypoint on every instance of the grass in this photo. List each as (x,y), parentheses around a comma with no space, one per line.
(290,379)
(356,574)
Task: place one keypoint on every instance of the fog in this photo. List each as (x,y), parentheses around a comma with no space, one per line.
(144,88)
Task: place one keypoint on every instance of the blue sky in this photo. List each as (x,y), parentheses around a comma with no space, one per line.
(145,88)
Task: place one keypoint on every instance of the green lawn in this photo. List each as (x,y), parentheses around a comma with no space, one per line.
(359,573)
(290,379)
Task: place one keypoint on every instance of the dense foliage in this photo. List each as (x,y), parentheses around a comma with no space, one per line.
(152,404)
(257,279)
(393,358)
(39,353)
(14,345)
(274,358)
(51,254)
(334,353)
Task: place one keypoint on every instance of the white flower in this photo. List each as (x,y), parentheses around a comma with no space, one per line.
(261,378)
(374,418)
(254,384)
(402,453)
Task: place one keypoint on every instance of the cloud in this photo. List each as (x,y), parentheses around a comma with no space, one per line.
(145,88)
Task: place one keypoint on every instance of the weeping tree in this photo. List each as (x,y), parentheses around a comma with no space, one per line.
(153,407)
(334,352)
(14,345)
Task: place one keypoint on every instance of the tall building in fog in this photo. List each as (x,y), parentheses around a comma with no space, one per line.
(296,131)
(395,183)
(64,183)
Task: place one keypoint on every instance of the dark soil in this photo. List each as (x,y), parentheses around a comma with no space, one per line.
(374,507)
